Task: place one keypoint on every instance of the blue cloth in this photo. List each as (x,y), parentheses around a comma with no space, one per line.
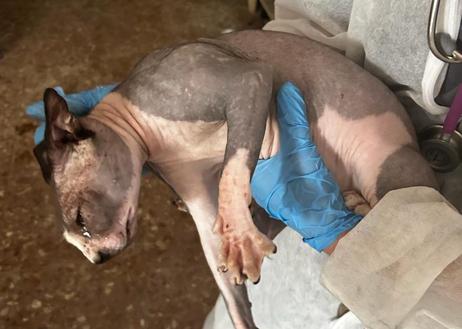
(80,104)
(295,186)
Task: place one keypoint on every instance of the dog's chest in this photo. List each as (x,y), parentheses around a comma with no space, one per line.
(184,141)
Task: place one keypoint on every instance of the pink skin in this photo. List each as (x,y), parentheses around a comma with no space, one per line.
(356,121)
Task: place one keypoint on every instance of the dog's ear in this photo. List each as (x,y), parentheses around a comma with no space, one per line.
(62,126)
(40,152)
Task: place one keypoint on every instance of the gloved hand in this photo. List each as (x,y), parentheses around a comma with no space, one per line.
(295,186)
(80,104)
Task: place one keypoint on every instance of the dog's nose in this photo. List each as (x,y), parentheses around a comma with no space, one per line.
(103,257)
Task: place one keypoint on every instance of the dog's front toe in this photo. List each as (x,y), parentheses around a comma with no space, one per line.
(243,255)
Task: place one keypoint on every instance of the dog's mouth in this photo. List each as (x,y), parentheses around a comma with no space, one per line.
(130,226)
(100,247)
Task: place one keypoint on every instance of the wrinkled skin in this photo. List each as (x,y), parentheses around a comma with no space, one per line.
(202,114)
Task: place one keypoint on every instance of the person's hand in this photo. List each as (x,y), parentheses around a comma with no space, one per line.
(295,186)
(79,103)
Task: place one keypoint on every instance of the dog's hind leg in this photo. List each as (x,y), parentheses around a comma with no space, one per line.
(356,203)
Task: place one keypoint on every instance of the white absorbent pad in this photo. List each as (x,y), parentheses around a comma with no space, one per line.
(441,306)
(384,266)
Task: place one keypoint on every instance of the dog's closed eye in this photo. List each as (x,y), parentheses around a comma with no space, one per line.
(80,221)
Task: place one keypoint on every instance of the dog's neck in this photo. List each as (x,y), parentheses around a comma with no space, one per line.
(116,113)
(147,136)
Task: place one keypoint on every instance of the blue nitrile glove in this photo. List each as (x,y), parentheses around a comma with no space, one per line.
(80,104)
(295,186)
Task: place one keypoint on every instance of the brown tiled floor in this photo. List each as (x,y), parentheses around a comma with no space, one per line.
(162,280)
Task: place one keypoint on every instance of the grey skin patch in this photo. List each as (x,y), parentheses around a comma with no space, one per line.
(404,168)
(189,82)
(97,197)
(327,78)
(207,81)
(100,201)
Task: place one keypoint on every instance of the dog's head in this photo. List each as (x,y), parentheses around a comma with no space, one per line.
(95,180)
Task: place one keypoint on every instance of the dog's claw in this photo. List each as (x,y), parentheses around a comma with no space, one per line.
(243,246)
(242,254)
(239,280)
(222,268)
(180,205)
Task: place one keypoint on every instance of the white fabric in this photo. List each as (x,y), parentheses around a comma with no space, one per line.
(384,266)
(289,294)
(399,267)
(441,306)
(388,38)
(325,21)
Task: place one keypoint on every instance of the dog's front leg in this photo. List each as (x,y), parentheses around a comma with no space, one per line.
(236,298)
(243,245)
(199,190)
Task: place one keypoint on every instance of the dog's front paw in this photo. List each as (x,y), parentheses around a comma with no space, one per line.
(242,251)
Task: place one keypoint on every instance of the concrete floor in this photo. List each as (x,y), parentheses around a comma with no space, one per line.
(162,280)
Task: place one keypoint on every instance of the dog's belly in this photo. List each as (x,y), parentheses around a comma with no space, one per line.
(354,150)
(357,123)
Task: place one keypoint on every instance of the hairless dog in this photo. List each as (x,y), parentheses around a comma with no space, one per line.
(201,114)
